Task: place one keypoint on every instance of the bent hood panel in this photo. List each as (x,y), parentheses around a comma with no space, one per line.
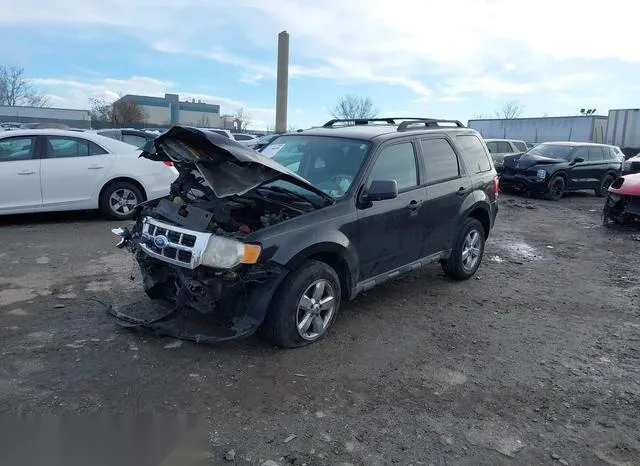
(529,160)
(229,167)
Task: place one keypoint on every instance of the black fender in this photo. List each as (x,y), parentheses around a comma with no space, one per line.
(332,247)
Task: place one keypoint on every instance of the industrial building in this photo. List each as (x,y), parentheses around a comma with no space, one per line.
(169,110)
(64,116)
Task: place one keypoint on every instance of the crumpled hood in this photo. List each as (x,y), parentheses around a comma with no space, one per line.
(228,167)
(529,160)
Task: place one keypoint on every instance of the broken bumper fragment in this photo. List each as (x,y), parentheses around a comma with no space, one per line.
(190,301)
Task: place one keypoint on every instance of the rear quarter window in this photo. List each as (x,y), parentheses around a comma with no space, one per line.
(475,157)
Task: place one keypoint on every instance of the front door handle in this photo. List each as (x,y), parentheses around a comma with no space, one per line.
(26,172)
(95,167)
(413,205)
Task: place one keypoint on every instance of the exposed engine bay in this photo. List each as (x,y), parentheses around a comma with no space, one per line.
(192,204)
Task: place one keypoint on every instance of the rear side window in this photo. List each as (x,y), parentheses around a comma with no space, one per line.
(596,154)
(521,146)
(397,162)
(134,139)
(440,159)
(62,147)
(16,148)
(504,147)
(476,159)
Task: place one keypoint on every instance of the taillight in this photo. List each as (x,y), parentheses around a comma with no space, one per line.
(168,163)
(496,185)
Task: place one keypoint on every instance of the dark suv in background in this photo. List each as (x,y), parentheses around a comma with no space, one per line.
(278,239)
(553,168)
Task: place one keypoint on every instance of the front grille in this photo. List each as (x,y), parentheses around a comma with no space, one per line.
(173,244)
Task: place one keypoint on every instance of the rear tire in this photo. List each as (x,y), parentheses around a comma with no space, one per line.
(556,189)
(118,200)
(604,185)
(467,252)
(304,306)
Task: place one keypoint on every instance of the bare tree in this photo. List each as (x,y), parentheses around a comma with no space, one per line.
(351,107)
(480,116)
(127,112)
(292,128)
(118,113)
(16,89)
(510,110)
(101,110)
(242,119)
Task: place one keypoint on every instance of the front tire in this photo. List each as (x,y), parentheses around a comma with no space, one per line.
(467,252)
(604,185)
(304,306)
(556,189)
(118,200)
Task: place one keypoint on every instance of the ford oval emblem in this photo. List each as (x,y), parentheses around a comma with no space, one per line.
(160,241)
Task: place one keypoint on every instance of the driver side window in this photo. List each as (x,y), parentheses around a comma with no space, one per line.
(397,162)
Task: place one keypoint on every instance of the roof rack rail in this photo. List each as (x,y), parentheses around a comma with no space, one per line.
(360,121)
(428,123)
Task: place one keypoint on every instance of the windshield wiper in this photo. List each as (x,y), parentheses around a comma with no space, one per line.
(289,192)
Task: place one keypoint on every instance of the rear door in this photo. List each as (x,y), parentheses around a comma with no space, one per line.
(447,188)
(72,170)
(19,173)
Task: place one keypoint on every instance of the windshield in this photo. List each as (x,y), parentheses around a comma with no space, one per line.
(552,151)
(329,163)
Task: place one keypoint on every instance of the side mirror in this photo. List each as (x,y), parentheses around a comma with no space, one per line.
(578,160)
(381,190)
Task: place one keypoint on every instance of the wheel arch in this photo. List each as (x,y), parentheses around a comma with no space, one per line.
(482,215)
(334,255)
(125,179)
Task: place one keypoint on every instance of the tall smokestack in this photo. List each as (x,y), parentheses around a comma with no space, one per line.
(282,86)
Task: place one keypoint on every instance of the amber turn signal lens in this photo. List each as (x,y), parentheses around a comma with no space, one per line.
(251,253)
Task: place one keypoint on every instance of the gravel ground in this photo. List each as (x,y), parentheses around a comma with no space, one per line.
(535,361)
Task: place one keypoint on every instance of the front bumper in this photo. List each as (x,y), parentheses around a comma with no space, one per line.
(621,208)
(190,301)
(524,183)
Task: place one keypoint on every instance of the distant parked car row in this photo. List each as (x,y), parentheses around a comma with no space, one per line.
(44,170)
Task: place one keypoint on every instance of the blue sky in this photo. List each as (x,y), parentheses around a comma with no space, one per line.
(417,57)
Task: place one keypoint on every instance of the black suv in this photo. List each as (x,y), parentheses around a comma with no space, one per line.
(278,239)
(553,168)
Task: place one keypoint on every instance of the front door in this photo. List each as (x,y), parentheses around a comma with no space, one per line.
(19,174)
(391,232)
(72,170)
(579,172)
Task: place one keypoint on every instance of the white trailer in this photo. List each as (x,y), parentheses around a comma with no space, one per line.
(623,130)
(590,128)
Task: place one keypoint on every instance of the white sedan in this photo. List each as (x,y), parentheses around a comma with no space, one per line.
(45,170)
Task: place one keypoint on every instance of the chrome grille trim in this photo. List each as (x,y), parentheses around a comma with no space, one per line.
(183,247)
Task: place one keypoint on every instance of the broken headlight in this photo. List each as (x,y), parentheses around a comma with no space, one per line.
(226,253)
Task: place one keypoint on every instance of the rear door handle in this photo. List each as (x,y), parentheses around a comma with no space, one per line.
(26,172)
(413,205)
(462,191)
(95,167)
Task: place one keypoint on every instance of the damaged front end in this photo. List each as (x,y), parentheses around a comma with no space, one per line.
(200,261)
(623,200)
